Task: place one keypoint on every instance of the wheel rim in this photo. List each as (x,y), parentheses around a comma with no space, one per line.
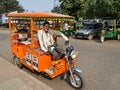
(118,37)
(102,39)
(78,80)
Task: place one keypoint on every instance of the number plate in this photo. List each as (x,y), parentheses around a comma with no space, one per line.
(22,36)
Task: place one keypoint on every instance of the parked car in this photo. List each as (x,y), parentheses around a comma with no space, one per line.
(89,31)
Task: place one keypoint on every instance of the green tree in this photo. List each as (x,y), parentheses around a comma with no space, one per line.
(103,8)
(91,8)
(7,6)
(116,8)
(57,9)
(73,7)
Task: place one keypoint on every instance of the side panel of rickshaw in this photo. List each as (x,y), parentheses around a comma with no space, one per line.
(38,60)
(111,34)
(19,50)
(60,67)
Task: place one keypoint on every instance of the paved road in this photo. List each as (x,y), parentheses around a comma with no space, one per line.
(100,63)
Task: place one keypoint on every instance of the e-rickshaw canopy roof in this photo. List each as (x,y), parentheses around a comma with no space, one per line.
(40,15)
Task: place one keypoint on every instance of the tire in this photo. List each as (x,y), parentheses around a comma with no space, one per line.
(102,39)
(79,78)
(90,37)
(118,37)
(16,62)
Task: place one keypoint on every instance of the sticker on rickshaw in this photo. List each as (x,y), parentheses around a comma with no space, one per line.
(35,62)
(28,58)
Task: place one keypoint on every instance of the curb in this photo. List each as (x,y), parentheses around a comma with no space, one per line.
(21,79)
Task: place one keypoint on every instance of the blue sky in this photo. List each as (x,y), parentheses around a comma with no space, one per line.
(38,5)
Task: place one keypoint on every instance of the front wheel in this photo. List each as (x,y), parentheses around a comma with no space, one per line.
(90,37)
(102,39)
(78,81)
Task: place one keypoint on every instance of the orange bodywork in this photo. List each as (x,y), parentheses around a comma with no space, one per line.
(29,51)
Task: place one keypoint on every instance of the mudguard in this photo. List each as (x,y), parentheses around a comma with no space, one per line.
(78,70)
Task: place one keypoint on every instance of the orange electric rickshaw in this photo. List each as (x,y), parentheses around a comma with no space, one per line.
(25,46)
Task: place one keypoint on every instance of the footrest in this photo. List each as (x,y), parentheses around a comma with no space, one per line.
(50,71)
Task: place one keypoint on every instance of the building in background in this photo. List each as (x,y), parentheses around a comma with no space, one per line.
(4,19)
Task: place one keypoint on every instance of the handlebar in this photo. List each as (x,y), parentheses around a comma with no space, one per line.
(54,45)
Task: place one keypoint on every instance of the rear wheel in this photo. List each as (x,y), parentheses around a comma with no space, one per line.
(102,39)
(17,63)
(78,82)
(118,37)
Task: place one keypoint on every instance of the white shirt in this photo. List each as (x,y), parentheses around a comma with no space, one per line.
(66,26)
(47,39)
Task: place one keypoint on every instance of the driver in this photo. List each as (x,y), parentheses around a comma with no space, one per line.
(47,42)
